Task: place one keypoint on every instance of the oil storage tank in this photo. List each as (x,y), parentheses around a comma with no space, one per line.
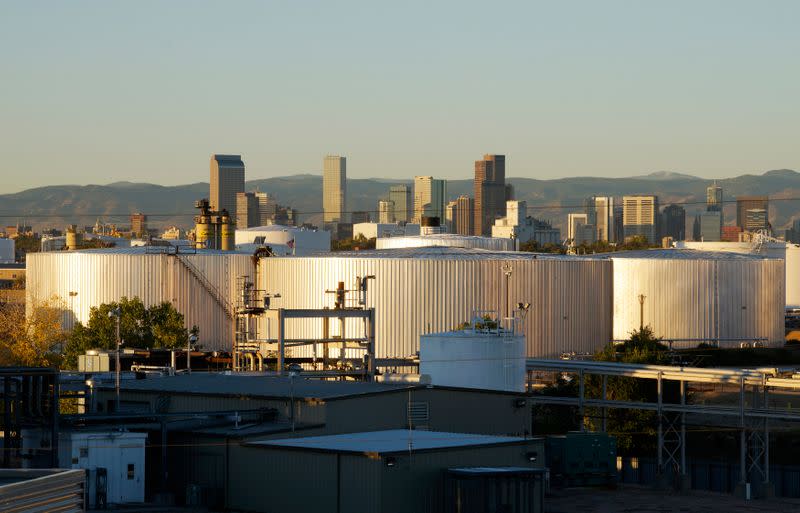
(693,297)
(788,252)
(447,240)
(200,284)
(435,289)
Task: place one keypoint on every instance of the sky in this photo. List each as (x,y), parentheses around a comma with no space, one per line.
(146,91)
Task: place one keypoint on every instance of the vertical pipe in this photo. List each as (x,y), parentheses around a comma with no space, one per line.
(116,364)
(580,399)
(660,428)
(605,409)
(683,429)
(766,439)
(742,438)
(281,342)
(326,334)
(371,335)
(6,421)
(164,473)
(55,415)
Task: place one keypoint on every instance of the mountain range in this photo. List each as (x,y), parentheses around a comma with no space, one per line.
(59,205)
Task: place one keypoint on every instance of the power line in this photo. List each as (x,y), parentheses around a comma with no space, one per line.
(315,212)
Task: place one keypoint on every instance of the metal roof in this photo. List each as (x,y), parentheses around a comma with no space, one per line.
(439,253)
(214,383)
(677,254)
(142,250)
(389,441)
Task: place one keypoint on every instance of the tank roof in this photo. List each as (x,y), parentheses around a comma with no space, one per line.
(678,254)
(141,250)
(440,253)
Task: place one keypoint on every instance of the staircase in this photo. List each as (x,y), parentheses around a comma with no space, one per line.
(213,291)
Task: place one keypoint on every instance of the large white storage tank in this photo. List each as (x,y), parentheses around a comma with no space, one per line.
(7,251)
(84,279)
(694,296)
(788,252)
(488,360)
(446,240)
(427,290)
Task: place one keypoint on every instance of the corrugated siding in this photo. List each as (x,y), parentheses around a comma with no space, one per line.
(700,299)
(43,490)
(570,298)
(104,277)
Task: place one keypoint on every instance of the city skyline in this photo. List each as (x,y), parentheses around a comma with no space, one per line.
(609,79)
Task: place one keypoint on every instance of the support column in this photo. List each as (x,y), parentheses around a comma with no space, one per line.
(580,398)
(605,409)
(660,468)
(281,342)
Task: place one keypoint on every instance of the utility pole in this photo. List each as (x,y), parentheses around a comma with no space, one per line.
(642,297)
(116,313)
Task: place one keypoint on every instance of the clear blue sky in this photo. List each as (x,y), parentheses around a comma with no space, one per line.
(101,91)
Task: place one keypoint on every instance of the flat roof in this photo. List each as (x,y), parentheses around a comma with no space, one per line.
(679,254)
(215,383)
(388,441)
(440,253)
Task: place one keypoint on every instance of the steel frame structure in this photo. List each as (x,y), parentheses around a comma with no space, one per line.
(753,419)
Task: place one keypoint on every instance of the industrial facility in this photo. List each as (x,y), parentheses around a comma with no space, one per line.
(201,284)
(433,289)
(284,240)
(694,297)
(447,240)
(788,252)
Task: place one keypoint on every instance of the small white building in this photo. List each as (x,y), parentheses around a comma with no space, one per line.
(120,453)
(7,248)
(284,240)
(378,230)
(489,359)
(517,225)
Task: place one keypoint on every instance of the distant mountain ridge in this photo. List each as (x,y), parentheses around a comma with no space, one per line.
(59,205)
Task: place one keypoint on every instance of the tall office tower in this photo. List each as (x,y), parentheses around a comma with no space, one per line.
(227,178)
(673,222)
(755,220)
(460,215)
(429,198)
(711,226)
(640,217)
(619,226)
(580,230)
(490,192)
(386,213)
(267,208)
(745,203)
(334,189)
(600,214)
(139,224)
(403,203)
(360,216)
(714,198)
(247,214)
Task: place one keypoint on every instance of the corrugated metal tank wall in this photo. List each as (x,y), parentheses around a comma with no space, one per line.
(570,298)
(104,276)
(700,299)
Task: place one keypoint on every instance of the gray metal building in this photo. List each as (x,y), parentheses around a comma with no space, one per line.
(380,471)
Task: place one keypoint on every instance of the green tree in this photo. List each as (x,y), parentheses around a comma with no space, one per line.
(160,326)
(354,244)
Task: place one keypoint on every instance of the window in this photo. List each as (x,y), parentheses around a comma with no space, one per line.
(418,414)
(130,470)
(84,452)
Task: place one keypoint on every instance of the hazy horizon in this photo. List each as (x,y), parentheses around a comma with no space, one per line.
(97,92)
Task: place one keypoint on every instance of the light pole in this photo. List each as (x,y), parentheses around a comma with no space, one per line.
(116,313)
(642,297)
(507,269)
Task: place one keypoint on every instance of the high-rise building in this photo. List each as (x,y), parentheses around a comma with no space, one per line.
(711,226)
(429,198)
(227,179)
(580,230)
(403,203)
(745,203)
(600,214)
(460,215)
(490,192)
(640,217)
(247,212)
(360,216)
(673,222)
(714,198)
(386,213)
(334,189)
(517,225)
(138,224)
(755,220)
(619,226)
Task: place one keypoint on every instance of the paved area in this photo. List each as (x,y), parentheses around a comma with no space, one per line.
(638,499)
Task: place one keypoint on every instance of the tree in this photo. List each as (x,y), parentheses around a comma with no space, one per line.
(160,326)
(31,340)
(354,244)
